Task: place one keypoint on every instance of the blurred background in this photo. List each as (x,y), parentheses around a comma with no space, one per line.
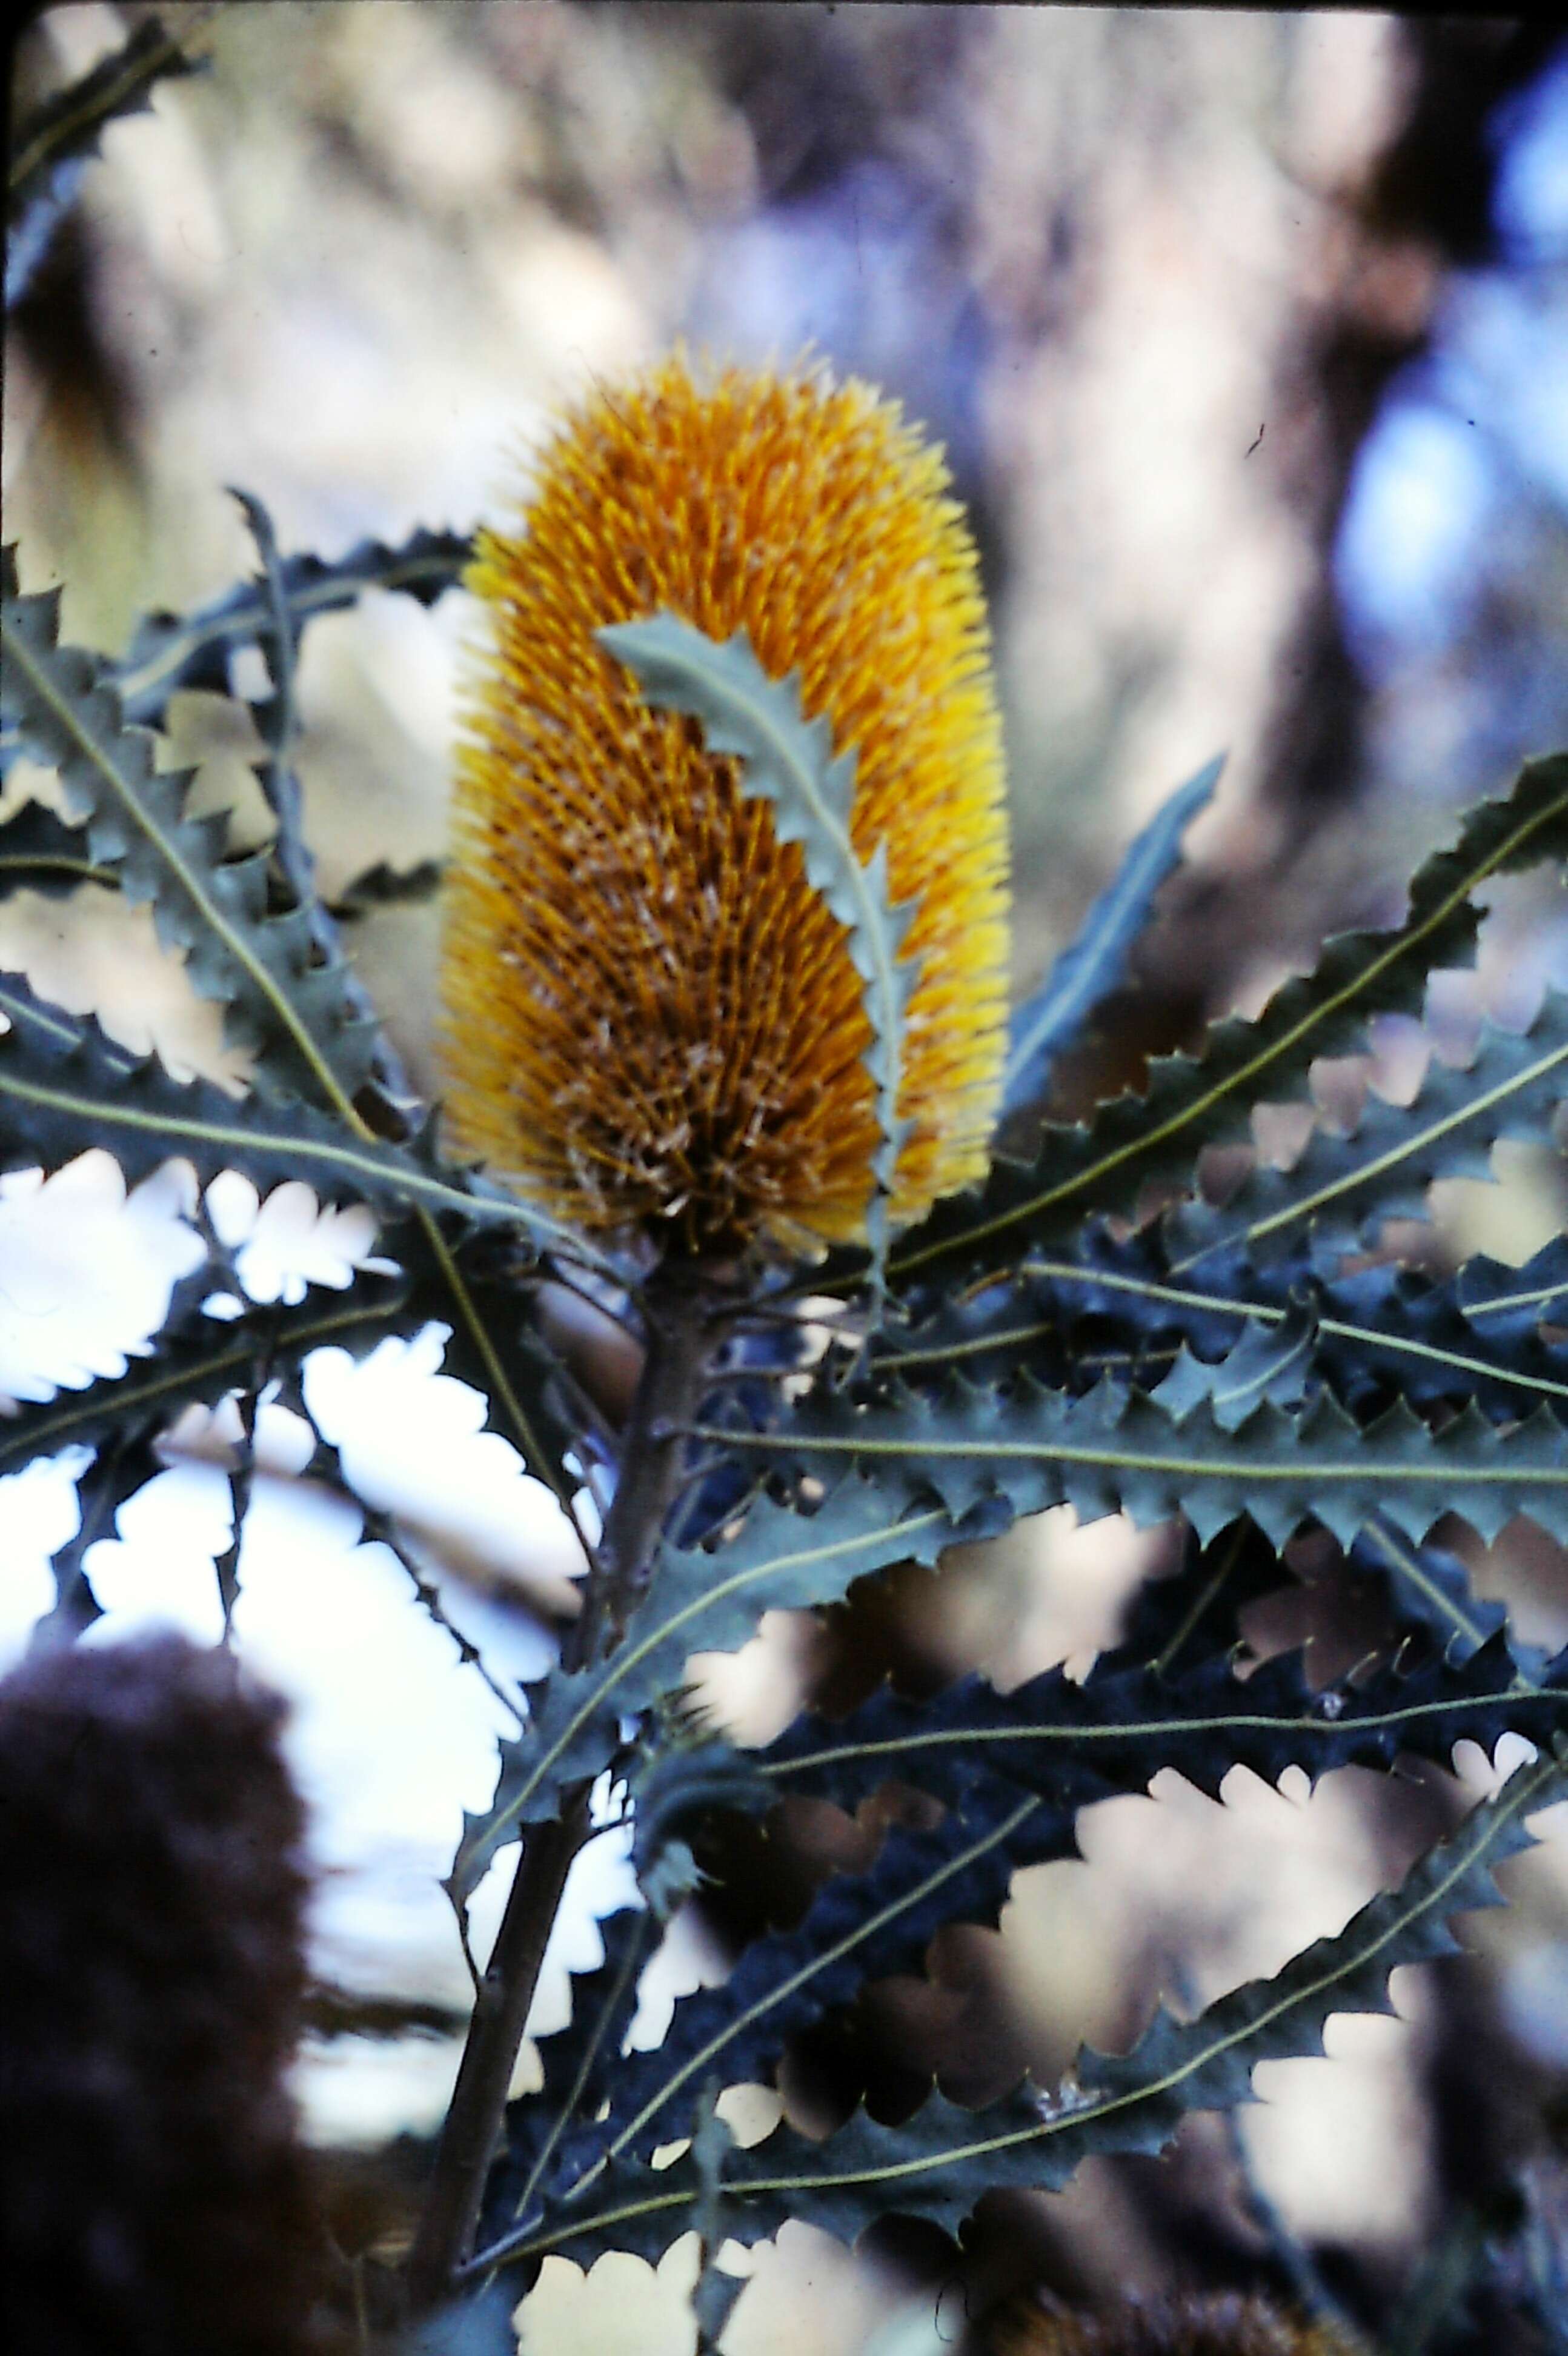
(1247,336)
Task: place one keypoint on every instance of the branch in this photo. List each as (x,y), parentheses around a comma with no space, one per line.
(650,1471)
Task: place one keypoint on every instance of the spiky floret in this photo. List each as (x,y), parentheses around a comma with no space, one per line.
(651,1017)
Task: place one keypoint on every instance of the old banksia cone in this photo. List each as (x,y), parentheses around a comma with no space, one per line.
(652,1018)
(1221,2323)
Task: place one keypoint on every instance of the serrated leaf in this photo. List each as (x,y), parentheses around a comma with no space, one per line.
(1272,1361)
(1394,1326)
(120,1471)
(1120,1450)
(1075,1744)
(1135,1141)
(202,1360)
(480,2326)
(52,149)
(291,861)
(1503,1301)
(1054,1015)
(493,1346)
(382,886)
(1192,1615)
(859,1927)
(1430,1589)
(283,973)
(697,1601)
(1115,1305)
(170,651)
(1344,1181)
(64,1087)
(672,1791)
(938,2164)
(40,852)
(265,969)
(275,718)
(788,760)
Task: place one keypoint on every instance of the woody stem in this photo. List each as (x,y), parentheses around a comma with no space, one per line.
(678,1308)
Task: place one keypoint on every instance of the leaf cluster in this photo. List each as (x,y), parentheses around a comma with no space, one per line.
(1094,1327)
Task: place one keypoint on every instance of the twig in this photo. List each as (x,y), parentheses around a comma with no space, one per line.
(549,1273)
(380,1530)
(241,1482)
(465,1942)
(294,861)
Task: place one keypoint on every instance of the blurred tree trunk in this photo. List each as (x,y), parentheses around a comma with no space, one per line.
(1424,209)
(1403,210)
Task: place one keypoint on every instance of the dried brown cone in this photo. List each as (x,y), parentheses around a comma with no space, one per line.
(652,1020)
(1222,2323)
(154,2196)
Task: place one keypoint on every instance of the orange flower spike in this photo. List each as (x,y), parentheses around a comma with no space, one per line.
(651,1018)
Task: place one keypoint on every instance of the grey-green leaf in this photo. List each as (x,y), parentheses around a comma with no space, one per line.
(1343,1181)
(65,1087)
(697,1601)
(295,1008)
(1112,1451)
(939,2163)
(1135,1141)
(789,760)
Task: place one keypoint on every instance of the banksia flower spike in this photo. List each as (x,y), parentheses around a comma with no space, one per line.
(653,1018)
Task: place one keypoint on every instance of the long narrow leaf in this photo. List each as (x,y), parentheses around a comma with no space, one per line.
(1115,1304)
(1137,1140)
(1430,1589)
(1120,1450)
(788,760)
(1381,1168)
(264,969)
(1077,1742)
(698,1600)
(493,1346)
(64,1087)
(63,136)
(40,852)
(938,2164)
(859,1927)
(170,651)
(1086,972)
(202,1360)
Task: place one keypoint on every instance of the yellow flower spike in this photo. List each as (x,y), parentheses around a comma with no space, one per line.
(651,1018)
